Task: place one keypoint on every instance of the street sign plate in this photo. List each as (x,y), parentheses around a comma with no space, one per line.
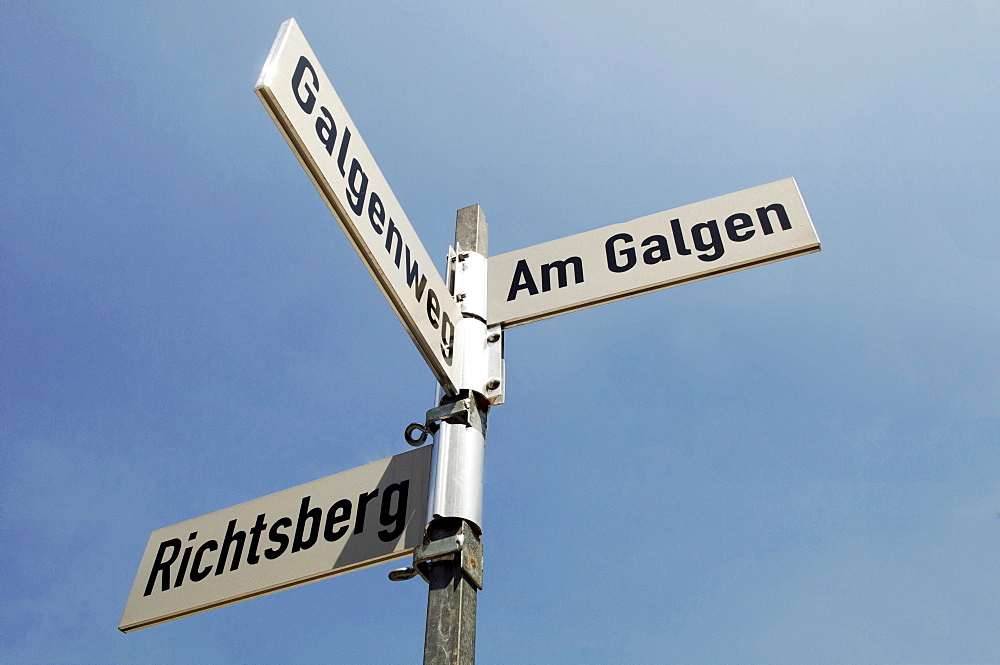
(334,525)
(310,115)
(728,233)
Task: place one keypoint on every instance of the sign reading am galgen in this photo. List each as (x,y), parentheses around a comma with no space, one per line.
(728,233)
(334,525)
(307,110)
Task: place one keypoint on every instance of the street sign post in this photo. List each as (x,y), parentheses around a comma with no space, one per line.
(374,513)
(310,115)
(334,525)
(728,233)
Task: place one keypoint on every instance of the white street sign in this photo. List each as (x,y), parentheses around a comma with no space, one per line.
(330,526)
(307,110)
(728,233)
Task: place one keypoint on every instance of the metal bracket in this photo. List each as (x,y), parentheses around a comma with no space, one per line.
(463,411)
(497,372)
(466,546)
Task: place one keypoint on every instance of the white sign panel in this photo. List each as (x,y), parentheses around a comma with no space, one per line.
(713,237)
(307,110)
(340,523)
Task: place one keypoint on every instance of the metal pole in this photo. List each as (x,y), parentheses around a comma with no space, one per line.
(450,637)
(455,506)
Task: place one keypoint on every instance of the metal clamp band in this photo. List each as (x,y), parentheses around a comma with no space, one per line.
(464,411)
(465,545)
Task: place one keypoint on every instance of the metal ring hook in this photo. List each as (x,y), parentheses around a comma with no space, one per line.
(418,441)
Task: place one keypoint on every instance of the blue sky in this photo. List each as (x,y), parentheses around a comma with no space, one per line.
(793,464)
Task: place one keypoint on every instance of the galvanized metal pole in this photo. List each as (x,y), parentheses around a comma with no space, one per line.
(450,636)
(455,506)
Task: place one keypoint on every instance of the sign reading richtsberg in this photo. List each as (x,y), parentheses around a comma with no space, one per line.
(343,522)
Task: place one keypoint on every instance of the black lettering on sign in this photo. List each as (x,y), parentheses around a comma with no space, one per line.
(376,213)
(560,268)
(184,561)
(658,250)
(314,517)
(197,572)
(739,227)
(613,254)
(394,518)
(705,237)
(765,221)
(675,228)
(714,241)
(390,233)
(360,196)
(253,556)
(161,566)
(339,512)
(623,259)
(363,500)
(326,129)
(343,150)
(522,280)
(357,189)
(309,102)
(232,536)
(433,308)
(279,539)
(285,535)
(412,271)
(447,338)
